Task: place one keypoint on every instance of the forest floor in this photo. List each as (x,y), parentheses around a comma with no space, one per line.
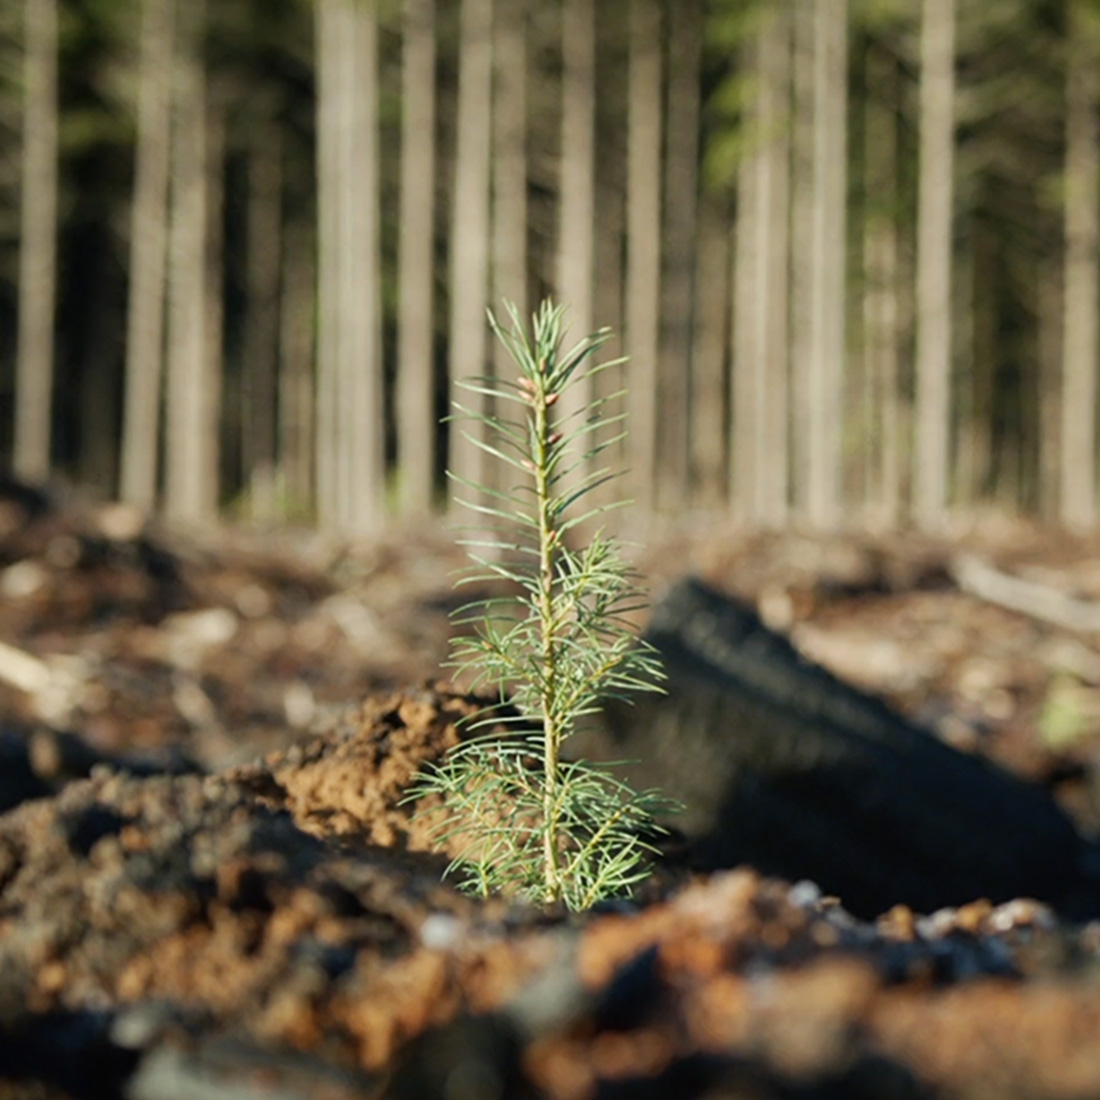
(209,885)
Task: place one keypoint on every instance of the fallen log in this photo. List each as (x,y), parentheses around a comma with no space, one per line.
(1038,601)
(54,686)
(785,767)
(22,670)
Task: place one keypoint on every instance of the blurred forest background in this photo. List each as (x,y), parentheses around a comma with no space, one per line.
(850,246)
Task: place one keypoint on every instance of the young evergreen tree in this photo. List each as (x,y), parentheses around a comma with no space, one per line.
(532,824)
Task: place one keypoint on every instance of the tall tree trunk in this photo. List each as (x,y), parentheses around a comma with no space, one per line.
(771,309)
(677,299)
(416,428)
(297,405)
(1082,276)
(148,237)
(577,224)
(214,303)
(610,384)
(827,262)
(188,430)
(38,244)
(612,102)
(934,231)
(510,161)
(332,35)
(509,177)
(351,419)
(802,231)
(643,258)
(260,352)
(363,411)
(880,302)
(470,230)
(709,356)
(611,108)
(747,265)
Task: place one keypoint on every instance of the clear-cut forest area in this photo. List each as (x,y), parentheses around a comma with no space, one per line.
(849,254)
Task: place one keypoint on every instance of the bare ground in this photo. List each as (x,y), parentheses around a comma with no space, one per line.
(209,885)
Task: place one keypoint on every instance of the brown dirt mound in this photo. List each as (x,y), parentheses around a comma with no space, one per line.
(271,929)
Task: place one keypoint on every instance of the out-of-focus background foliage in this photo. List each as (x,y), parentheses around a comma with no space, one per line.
(850,246)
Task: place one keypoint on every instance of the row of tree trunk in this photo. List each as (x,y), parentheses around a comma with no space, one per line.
(744,386)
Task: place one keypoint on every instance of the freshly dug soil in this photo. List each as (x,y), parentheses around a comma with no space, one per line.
(275,931)
(210,886)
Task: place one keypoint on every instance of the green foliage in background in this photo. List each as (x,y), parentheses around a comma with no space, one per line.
(531,824)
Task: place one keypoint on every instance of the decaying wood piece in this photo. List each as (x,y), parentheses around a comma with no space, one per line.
(1040,601)
(785,767)
(22,670)
(54,686)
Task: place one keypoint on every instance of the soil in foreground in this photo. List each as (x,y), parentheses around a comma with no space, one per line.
(209,885)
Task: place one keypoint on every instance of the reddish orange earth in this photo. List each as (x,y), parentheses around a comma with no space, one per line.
(209,885)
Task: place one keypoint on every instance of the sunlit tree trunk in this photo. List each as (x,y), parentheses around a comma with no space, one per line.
(827,263)
(880,301)
(802,160)
(37,244)
(148,237)
(363,426)
(770,309)
(332,35)
(509,177)
(1082,275)
(678,261)
(761,281)
(214,300)
(470,227)
(802,228)
(747,265)
(351,441)
(610,213)
(188,430)
(643,256)
(510,161)
(148,247)
(610,229)
(416,428)
(576,227)
(934,222)
(260,353)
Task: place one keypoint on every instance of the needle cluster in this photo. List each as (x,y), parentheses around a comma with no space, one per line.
(532,824)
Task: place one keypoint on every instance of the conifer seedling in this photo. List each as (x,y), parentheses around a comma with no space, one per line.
(531,823)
